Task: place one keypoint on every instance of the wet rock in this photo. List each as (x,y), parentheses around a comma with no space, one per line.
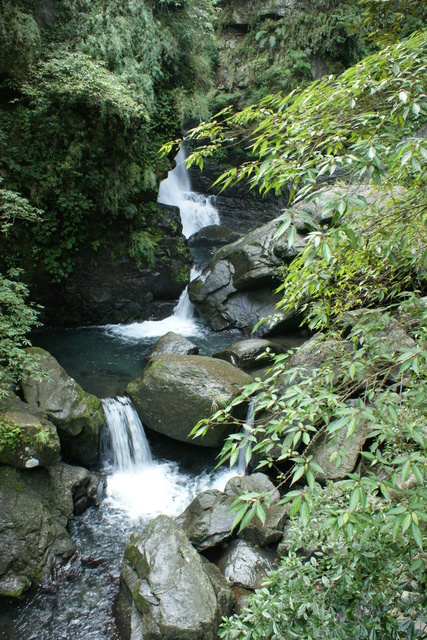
(207,521)
(245,354)
(242,596)
(244,565)
(174,344)
(346,452)
(238,286)
(224,594)
(35,508)
(27,439)
(216,235)
(77,415)
(172,597)
(271,531)
(256,482)
(175,392)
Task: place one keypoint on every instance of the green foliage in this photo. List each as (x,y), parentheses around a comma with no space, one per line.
(10,435)
(20,38)
(17,318)
(368,533)
(281,54)
(369,588)
(82,121)
(14,207)
(143,248)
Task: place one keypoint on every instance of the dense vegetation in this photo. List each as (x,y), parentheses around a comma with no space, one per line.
(89,92)
(364,537)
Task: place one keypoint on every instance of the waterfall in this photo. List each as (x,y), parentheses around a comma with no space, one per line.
(197,211)
(247,428)
(125,445)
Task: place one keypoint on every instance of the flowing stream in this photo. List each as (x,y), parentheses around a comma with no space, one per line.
(77,602)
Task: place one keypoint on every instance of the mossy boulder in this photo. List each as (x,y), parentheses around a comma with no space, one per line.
(27,439)
(35,508)
(175,392)
(166,586)
(77,415)
(173,343)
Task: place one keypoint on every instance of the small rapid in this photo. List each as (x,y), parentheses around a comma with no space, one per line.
(138,485)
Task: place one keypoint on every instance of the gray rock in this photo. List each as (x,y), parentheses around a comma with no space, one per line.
(27,439)
(175,392)
(238,287)
(390,338)
(271,531)
(347,450)
(207,521)
(35,508)
(224,594)
(256,482)
(77,415)
(316,352)
(215,235)
(172,594)
(245,565)
(173,343)
(244,354)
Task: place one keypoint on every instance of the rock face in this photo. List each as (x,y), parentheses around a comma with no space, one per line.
(245,565)
(77,415)
(174,344)
(237,288)
(214,235)
(244,354)
(347,451)
(166,592)
(207,521)
(35,507)
(175,392)
(27,439)
(110,286)
(240,209)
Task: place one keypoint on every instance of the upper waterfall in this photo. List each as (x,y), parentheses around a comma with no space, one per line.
(197,211)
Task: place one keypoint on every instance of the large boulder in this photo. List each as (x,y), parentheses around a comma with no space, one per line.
(77,415)
(175,344)
(245,565)
(175,392)
(238,286)
(344,451)
(214,235)
(27,439)
(35,508)
(246,354)
(208,520)
(166,593)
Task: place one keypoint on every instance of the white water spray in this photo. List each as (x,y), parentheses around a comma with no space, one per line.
(247,428)
(140,486)
(197,211)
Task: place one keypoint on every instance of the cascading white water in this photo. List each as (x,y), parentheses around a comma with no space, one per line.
(127,446)
(247,428)
(138,485)
(197,210)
